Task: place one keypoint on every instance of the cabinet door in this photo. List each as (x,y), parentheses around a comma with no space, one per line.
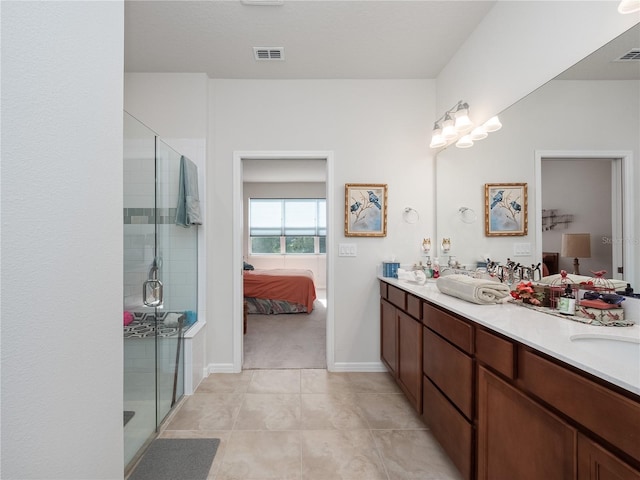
(410,358)
(519,439)
(389,336)
(596,463)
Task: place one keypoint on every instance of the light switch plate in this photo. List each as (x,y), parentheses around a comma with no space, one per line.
(521,249)
(347,250)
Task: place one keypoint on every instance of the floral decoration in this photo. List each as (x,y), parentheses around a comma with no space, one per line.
(524,291)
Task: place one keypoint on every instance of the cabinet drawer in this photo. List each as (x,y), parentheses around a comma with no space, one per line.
(383,289)
(397,297)
(496,352)
(457,331)
(450,369)
(606,413)
(414,307)
(450,428)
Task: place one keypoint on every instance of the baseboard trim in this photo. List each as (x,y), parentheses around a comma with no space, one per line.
(220,368)
(359,367)
(337,367)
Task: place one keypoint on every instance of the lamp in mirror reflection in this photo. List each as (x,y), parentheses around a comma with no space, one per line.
(577,245)
(446,245)
(454,125)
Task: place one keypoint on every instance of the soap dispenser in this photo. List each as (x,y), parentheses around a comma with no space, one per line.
(428,270)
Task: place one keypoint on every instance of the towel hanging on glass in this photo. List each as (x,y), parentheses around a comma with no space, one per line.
(188,210)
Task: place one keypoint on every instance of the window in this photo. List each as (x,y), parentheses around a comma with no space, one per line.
(288,225)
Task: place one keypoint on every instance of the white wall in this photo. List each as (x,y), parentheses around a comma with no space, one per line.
(62,346)
(562,115)
(316,263)
(521,45)
(378,132)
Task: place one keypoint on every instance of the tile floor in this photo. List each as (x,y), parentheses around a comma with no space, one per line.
(310,424)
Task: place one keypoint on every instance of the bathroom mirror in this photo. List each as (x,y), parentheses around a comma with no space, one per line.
(590,110)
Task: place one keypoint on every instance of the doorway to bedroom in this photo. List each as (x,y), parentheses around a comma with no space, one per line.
(283,238)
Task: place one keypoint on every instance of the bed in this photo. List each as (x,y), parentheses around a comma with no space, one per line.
(279,291)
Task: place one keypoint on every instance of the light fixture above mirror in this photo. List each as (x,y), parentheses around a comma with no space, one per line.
(454,125)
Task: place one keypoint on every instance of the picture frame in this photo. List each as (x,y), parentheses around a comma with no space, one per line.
(505,209)
(365,210)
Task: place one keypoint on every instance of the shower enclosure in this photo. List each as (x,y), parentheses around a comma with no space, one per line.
(160,285)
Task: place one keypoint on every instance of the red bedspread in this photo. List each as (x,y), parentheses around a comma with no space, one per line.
(295,286)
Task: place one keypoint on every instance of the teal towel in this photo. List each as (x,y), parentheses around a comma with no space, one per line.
(188,211)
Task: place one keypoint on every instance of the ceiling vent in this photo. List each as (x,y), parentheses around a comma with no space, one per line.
(633,54)
(268,53)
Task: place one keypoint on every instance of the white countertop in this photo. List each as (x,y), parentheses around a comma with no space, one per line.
(616,362)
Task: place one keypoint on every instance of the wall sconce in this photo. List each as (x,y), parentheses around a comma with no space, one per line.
(426,245)
(446,245)
(455,123)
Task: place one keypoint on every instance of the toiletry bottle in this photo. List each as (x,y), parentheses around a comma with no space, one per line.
(428,271)
(567,302)
(436,268)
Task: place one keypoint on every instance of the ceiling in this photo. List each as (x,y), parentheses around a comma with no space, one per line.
(603,64)
(322,39)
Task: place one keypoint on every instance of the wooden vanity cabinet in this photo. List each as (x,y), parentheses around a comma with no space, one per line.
(448,385)
(389,336)
(519,439)
(401,341)
(410,359)
(501,409)
(596,463)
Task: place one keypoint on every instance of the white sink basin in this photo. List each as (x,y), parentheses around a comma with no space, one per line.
(626,349)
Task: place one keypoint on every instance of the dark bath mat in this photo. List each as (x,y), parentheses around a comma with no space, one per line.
(177,459)
(128,415)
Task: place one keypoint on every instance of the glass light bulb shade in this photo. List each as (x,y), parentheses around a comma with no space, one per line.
(448,129)
(629,6)
(493,124)
(437,141)
(449,132)
(463,123)
(478,133)
(465,142)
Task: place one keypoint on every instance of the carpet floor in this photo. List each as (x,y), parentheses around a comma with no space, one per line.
(294,340)
(176,458)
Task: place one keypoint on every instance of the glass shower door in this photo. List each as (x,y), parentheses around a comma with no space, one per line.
(160,285)
(177,251)
(139,251)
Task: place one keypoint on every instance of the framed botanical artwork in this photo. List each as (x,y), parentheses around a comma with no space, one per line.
(505,209)
(365,210)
